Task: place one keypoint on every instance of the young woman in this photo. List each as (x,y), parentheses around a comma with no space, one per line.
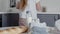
(28,5)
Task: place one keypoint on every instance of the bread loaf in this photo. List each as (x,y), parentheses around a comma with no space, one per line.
(14,30)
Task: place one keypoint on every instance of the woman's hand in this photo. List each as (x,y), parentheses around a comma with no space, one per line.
(38,6)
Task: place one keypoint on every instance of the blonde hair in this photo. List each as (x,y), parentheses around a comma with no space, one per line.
(21,5)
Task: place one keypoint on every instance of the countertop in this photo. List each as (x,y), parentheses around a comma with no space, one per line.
(7,12)
(37,12)
(48,12)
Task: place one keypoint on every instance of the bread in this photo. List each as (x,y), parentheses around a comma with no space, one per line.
(14,30)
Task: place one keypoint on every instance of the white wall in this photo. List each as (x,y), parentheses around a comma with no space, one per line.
(51,5)
(4,5)
(0,5)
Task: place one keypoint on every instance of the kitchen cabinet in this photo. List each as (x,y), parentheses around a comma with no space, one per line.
(48,18)
(4,20)
(10,19)
(0,20)
(58,16)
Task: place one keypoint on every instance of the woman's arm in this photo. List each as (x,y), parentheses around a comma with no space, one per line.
(22,22)
(38,6)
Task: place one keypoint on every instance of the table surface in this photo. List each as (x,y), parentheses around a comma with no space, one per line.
(53,30)
(50,30)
